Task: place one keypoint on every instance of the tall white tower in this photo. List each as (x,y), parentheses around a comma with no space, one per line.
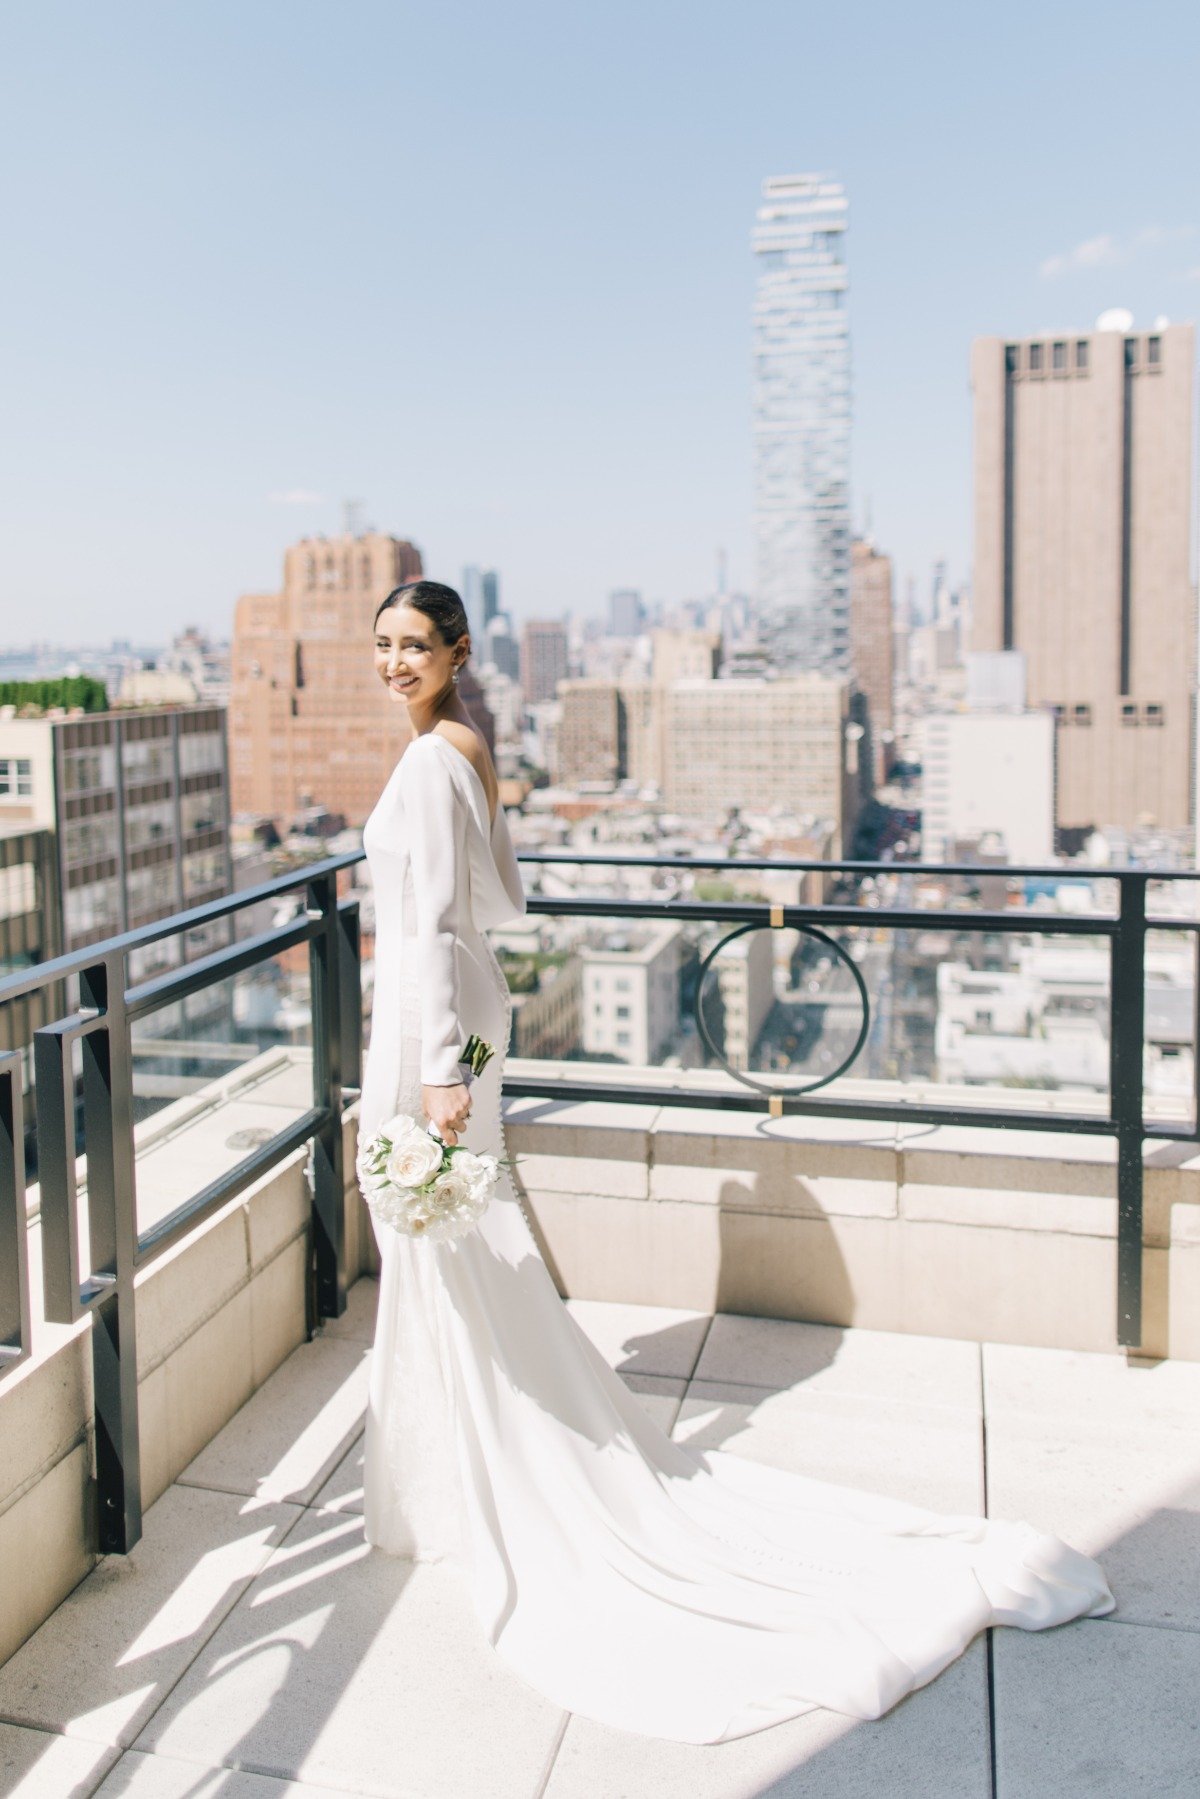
(802,422)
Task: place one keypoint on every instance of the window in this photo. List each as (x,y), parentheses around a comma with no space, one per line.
(1060,712)
(16,776)
(1083,715)
(1131,355)
(1155,715)
(623,1039)
(622,1011)
(1129,715)
(1081,353)
(1035,358)
(1154,351)
(1059,356)
(1012,358)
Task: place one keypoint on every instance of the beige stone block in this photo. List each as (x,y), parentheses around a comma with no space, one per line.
(45,1548)
(277,1210)
(45,1406)
(196,1391)
(1015,1209)
(773,1173)
(141,1776)
(186,1285)
(831,1271)
(623,1249)
(1005,1286)
(278,1308)
(285,1442)
(581,1148)
(1183,1302)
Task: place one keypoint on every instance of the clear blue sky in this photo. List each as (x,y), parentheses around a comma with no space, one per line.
(487,268)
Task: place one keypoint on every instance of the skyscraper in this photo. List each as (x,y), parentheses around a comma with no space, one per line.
(802,422)
(1083,489)
(491,595)
(871,644)
(473,604)
(626,614)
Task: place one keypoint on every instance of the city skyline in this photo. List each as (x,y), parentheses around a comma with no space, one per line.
(566,395)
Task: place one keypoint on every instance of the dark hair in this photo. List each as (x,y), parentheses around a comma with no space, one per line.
(437,601)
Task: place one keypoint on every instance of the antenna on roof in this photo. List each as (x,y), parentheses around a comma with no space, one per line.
(352,512)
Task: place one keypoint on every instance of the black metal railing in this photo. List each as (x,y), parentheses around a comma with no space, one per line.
(97,1279)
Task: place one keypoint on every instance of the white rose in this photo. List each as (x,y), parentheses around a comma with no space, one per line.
(415,1156)
(452,1189)
(479,1170)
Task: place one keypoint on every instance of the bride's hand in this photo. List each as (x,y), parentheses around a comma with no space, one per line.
(448,1108)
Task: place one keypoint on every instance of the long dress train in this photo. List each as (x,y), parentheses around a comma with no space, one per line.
(683,1593)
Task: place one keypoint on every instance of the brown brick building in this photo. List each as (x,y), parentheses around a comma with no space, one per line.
(310,722)
(871,646)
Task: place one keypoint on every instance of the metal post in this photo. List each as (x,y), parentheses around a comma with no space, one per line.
(14,1227)
(112,1220)
(1128,1052)
(329,1194)
(350,997)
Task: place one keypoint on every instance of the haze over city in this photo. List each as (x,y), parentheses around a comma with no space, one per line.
(489,273)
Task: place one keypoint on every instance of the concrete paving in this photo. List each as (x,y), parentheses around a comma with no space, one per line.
(253,1646)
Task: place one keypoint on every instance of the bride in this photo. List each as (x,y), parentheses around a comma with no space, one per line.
(682,1593)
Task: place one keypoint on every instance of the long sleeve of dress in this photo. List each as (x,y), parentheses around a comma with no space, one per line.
(434,825)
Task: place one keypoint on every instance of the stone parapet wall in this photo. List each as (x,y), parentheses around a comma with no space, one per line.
(992,1235)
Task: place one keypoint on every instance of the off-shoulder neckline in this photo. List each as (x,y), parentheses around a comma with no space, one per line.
(464,758)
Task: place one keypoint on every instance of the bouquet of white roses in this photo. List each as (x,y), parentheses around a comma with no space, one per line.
(421,1186)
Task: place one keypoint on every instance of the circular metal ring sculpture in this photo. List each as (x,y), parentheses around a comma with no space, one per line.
(806,930)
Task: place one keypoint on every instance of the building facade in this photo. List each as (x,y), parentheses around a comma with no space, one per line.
(310,722)
(988,773)
(543,659)
(1083,499)
(802,422)
(631,993)
(762,746)
(591,733)
(871,646)
(139,805)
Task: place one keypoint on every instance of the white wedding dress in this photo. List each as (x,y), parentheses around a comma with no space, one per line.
(683,1593)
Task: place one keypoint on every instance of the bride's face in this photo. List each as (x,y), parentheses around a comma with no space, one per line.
(410,657)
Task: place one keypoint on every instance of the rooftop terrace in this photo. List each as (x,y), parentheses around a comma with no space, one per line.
(252,1645)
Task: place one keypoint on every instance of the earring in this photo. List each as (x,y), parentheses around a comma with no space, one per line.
(455,677)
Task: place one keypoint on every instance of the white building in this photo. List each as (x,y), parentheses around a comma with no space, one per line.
(988,772)
(745,975)
(802,422)
(631,993)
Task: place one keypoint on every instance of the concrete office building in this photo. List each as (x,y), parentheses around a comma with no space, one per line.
(1083,498)
(138,802)
(543,659)
(310,721)
(802,423)
(871,644)
(760,745)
